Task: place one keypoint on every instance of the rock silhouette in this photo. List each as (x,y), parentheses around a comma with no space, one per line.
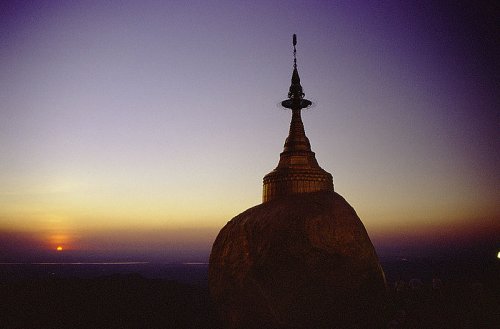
(302,261)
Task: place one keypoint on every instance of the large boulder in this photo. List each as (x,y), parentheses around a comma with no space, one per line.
(300,261)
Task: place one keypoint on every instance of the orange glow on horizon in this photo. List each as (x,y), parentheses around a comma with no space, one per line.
(59,241)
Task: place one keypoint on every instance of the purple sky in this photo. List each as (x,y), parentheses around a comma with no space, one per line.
(124,123)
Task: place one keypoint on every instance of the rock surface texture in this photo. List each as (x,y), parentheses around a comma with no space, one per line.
(301,261)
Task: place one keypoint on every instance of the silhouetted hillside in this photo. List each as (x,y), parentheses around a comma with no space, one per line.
(423,293)
(117,301)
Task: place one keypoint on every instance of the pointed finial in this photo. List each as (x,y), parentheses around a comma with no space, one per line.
(294,50)
(296,95)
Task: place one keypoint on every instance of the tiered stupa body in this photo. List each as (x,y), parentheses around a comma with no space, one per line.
(297,171)
(302,258)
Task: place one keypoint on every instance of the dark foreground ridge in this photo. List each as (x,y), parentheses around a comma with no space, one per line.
(422,294)
(116,301)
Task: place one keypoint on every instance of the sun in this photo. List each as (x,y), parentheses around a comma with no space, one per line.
(59,248)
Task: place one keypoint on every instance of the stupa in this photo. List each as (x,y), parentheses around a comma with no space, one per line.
(302,258)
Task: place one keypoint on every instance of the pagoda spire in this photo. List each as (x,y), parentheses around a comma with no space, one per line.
(297,140)
(297,171)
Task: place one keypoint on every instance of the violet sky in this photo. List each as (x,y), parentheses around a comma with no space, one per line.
(150,124)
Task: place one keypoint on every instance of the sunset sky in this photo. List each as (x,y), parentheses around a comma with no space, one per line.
(145,126)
